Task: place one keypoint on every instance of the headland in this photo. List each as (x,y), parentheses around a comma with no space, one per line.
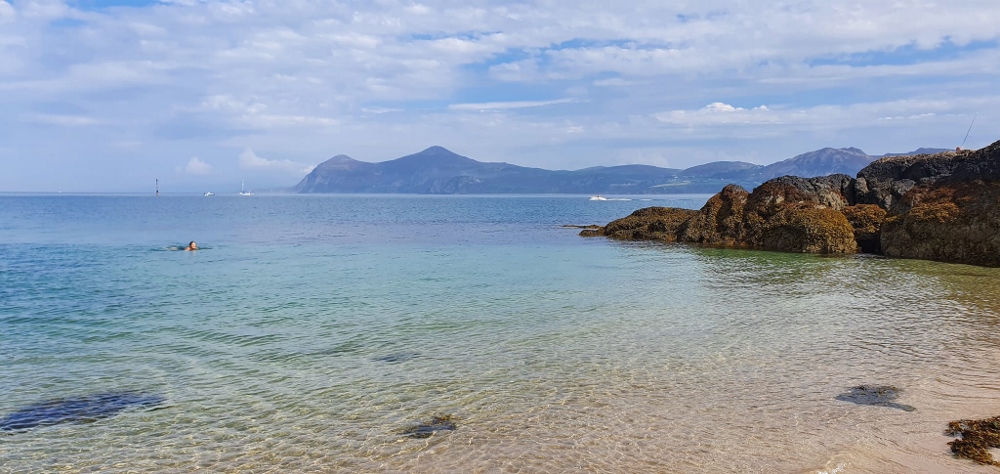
(943,206)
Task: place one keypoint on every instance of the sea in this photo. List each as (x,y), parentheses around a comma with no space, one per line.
(479,334)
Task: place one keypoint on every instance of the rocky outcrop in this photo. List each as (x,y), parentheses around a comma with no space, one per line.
(943,206)
(651,223)
(788,213)
(720,220)
(953,222)
(866,221)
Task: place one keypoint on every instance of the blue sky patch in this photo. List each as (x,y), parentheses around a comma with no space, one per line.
(96,5)
(905,55)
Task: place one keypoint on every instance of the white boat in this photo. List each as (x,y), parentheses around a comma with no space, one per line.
(210,193)
(598,198)
(243,191)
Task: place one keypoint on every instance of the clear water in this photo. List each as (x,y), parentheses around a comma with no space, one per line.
(313,330)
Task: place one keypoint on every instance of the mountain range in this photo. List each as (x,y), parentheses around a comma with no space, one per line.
(437,170)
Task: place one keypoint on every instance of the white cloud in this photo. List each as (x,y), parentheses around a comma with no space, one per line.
(719,113)
(619,82)
(249,161)
(318,78)
(509,105)
(7,12)
(64,120)
(197,167)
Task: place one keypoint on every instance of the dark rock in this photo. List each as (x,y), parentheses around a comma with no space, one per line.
(875,395)
(720,220)
(866,220)
(807,228)
(794,214)
(84,409)
(954,222)
(977,437)
(943,206)
(426,429)
(397,357)
(651,223)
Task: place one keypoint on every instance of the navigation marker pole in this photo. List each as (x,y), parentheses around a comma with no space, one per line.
(970,129)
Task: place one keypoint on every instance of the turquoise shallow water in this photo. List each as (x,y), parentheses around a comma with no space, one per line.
(314,330)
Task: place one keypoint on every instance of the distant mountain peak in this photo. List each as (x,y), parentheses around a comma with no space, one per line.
(438,170)
(437,149)
(436,156)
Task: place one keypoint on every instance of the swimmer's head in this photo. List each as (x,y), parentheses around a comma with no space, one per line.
(192,246)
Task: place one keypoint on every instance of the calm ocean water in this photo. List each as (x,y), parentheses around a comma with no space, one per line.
(313,331)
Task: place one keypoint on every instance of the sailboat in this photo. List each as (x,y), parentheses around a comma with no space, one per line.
(243,191)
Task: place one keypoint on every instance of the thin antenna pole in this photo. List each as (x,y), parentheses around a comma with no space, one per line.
(970,129)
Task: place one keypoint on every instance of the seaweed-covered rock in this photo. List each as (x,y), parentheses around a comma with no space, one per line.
(791,192)
(885,181)
(977,437)
(651,223)
(943,206)
(866,220)
(957,223)
(720,220)
(875,395)
(807,229)
(426,429)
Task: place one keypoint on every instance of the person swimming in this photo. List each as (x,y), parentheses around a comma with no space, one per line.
(192,246)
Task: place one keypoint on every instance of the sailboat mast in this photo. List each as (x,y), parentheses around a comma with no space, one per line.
(157,187)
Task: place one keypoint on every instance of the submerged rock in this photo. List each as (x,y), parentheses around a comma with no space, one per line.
(874,395)
(426,429)
(397,357)
(83,409)
(977,437)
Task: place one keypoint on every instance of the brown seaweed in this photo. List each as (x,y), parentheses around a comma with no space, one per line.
(977,437)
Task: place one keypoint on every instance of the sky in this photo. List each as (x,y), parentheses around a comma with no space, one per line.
(110,95)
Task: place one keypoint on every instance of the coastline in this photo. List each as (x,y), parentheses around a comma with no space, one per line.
(943,207)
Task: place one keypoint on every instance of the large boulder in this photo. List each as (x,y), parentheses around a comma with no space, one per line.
(720,220)
(956,222)
(807,228)
(885,181)
(778,215)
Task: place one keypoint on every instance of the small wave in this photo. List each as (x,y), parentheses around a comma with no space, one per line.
(837,470)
